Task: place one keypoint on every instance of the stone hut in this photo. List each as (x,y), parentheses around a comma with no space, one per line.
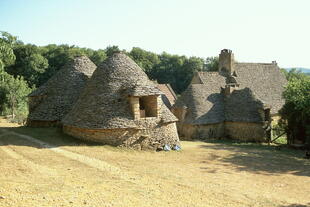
(120,106)
(237,101)
(168,97)
(52,101)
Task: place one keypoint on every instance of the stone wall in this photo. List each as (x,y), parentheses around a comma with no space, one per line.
(152,136)
(152,106)
(209,131)
(234,130)
(245,131)
(226,62)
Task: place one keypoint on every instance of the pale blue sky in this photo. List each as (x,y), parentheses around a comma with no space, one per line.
(256,30)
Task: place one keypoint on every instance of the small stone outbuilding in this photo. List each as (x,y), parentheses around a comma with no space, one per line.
(120,106)
(237,101)
(52,101)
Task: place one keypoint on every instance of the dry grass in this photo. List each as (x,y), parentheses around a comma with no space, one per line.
(203,174)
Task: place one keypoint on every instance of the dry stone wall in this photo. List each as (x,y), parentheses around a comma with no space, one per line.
(152,136)
(209,131)
(245,131)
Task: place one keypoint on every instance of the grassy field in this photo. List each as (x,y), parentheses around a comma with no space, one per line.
(69,172)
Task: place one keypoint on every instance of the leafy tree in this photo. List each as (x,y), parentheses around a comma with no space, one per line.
(212,64)
(98,56)
(29,63)
(293,74)
(145,59)
(184,74)
(57,56)
(295,114)
(15,91)
(7,56)
(110,50)
(176,70)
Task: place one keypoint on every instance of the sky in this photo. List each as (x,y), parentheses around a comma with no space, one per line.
(255,30)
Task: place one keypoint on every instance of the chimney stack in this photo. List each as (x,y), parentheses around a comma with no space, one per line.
(226,62)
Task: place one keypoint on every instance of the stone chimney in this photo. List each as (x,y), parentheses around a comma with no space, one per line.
(229,88)
(226,62)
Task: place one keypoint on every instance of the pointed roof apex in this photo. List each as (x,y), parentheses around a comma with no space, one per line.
(62,89)
(104,103)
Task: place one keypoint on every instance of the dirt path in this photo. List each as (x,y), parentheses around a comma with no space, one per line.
(37,173)
(92,162)
(130,179)
(20,158)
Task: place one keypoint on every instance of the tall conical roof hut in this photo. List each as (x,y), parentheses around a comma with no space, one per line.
(120,106)
(52,101)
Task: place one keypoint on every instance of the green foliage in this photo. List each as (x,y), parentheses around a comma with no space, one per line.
(110,50)
(29,63)
(98,56)
(176,70)
(146,60)
(7,56)
(38,64)
(13,93)
(212,64)
(296,111)
(293,74)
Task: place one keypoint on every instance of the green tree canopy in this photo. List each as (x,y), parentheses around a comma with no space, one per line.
(145,59)
(7,56)
(295,113)
(212,64)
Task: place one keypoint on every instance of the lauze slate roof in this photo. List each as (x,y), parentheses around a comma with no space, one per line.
(260,84)
(168,97)
(62,90)
(104,102)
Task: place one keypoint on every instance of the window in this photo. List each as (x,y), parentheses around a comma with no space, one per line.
(148,106)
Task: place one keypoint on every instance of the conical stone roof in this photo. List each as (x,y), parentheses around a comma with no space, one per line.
(62,90)
(104,102)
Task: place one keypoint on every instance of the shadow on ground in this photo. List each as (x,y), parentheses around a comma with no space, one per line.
(296,205)
(260,158)
(51,135)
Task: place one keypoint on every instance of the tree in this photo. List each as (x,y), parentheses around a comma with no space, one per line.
(15,91)
(176,70)
(212,64)
(7,56)
(145,59)
(292,74)
(98,57)
(29,63)
(110,50)
(295,114)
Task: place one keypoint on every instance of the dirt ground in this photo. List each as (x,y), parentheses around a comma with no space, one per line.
(41,167)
